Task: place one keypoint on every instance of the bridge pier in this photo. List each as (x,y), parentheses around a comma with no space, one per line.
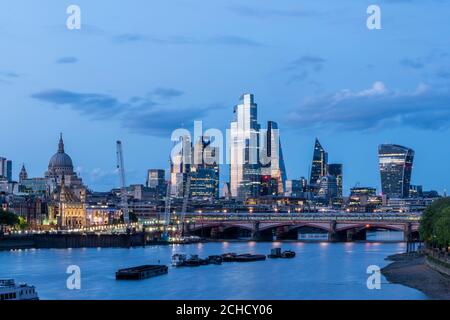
(256,235)
(407,232)
(332,235)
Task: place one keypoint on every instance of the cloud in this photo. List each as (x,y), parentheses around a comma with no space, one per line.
(141,115)
(6,77)
(434,57)
(228,40)
(167,93)
(9,74)
(247,11)
(301,68)
(412,63)
(161,121)
(67,60)
(94,105)
(376,108)
(129,37)
(443,74)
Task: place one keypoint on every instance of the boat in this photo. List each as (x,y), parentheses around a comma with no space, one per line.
(229,257)
(246,257)
(249,257)
(9,290)
(193,261)
(141,272)
(288,254)
(178,260)
(215,259)
(185,240)
(276,253)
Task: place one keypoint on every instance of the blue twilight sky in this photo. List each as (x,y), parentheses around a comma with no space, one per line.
(139,69)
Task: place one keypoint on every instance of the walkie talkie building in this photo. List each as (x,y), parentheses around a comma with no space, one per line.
(396,164)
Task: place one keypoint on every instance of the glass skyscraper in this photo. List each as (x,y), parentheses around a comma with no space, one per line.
(319,163)
(275,167)
(245,167)
(204,171)
(335,170)
(396,163)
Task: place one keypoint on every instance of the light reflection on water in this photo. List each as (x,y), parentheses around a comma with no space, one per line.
(319,271)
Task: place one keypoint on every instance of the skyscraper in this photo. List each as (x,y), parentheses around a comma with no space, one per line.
(180,166)
(204,171)
(396,164)
(335,170)
(328,187)
(274,166)
(244,150)
(319,163)
(6,169)
(156,180)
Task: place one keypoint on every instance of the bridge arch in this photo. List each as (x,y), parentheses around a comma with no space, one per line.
(289,231)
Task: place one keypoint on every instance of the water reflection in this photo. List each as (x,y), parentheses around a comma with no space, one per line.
(319,271)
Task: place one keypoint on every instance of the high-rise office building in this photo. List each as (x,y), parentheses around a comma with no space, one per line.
(6,169)
(156,178)
(204,172)
(304,182)
(328,187)
(335,170)
(396,163)
(319,163)
(180,166)
(273,165)
(245,167)
(294,188)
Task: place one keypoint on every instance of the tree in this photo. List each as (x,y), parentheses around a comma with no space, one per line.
(432,224)
(442,228)
(8,218)
(429,217)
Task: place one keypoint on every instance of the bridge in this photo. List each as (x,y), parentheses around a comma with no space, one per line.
(338,226)
(267,226)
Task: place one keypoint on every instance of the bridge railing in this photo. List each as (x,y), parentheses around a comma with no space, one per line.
(302,217)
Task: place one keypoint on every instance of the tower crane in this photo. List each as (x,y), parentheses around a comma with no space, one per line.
(165,235)
(123,188)
(187,190)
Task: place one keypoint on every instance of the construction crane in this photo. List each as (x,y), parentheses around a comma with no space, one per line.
(165,235)
(123,186)
(187,190)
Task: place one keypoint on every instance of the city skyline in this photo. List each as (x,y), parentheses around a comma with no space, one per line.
(398,91)
(319,158)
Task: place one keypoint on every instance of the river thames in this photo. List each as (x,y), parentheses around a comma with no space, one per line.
(319,271)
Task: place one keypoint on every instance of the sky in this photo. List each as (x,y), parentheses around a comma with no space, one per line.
(139,69)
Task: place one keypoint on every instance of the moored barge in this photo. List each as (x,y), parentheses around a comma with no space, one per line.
(246,257)
(141,272)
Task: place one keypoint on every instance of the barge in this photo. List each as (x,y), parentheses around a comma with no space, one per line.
(180,260)
(141,272)
(246,257)
(276,253)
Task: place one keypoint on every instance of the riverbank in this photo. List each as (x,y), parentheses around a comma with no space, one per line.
(411,270)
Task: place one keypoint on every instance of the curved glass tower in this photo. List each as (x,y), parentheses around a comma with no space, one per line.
(396,164)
